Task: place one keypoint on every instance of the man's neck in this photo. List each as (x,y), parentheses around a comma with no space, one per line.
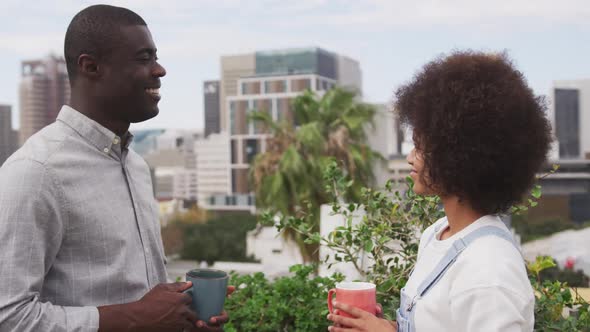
(459,215)
(93,111)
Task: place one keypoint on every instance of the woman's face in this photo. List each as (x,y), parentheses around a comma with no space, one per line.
(418,173)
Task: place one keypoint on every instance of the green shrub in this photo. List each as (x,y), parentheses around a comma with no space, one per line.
(220,239)
(295,303)
(533,231)
(552,297)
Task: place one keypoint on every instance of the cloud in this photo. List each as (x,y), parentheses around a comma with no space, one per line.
(28,45)
(375,14)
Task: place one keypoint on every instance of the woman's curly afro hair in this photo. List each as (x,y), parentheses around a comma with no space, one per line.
(482,132)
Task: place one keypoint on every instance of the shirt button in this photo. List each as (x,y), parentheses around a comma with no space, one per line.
(116,140)
(106,150)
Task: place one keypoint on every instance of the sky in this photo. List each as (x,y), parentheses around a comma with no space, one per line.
(547,39)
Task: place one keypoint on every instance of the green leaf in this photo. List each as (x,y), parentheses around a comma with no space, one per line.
(369,246)
(536,192)
(541,263)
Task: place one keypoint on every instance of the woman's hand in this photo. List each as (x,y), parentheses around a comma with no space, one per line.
(362,321)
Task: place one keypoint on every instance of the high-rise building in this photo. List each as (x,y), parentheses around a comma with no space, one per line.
(8,136)
(268,81)
(270,86)
(211,106)
(44,88)
(571,111)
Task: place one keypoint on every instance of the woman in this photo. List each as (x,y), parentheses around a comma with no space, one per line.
(480,136)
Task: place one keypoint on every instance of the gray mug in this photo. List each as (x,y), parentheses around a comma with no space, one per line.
(208,292)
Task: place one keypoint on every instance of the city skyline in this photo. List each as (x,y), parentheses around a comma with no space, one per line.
(390,39)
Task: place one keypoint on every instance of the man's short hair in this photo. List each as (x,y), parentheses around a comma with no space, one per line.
(94,31)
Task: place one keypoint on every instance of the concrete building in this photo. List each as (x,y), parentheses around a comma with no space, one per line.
(571,112)
(175,183)
(44,88)
(185,185)
(8,136)
(278,77)
(164,182)
(171,156)
(211,106)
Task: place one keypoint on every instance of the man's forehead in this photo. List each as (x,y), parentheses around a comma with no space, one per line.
(137,37)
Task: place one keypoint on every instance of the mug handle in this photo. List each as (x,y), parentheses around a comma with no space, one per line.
(331,293)
(189,292)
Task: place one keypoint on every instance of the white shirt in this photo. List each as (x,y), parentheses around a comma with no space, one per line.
(486,289)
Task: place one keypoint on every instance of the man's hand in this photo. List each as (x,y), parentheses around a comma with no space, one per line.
(215,323)
(164,308)
(361,321)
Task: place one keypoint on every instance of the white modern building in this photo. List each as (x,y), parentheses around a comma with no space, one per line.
(213,169)
(269,82)
(185,185)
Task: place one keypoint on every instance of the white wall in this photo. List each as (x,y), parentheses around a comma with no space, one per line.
(275,253)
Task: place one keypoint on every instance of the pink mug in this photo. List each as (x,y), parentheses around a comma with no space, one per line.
(357,294)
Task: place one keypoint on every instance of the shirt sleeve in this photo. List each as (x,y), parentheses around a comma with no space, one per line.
(491,308)
(32,221)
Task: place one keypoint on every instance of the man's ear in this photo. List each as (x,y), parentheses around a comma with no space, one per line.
(88,66)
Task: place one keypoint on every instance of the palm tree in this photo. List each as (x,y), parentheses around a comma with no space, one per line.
(288,177)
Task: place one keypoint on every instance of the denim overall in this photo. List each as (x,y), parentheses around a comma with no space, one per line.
(405,313)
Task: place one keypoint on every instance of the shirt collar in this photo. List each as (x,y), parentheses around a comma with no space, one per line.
(102,138)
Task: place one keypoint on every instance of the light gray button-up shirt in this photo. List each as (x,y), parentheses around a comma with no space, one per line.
(78,228)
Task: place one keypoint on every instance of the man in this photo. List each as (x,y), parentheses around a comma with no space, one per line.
(80,244)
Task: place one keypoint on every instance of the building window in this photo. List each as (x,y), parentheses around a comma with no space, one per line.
(234,151)
(567,122)
(285,110)
(263,106)
(299,85)
(251,88)
(179,142)
(277,86)
(250,150)
(238,121)
(240,180)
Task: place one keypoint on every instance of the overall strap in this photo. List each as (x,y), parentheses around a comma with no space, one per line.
(458,246)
